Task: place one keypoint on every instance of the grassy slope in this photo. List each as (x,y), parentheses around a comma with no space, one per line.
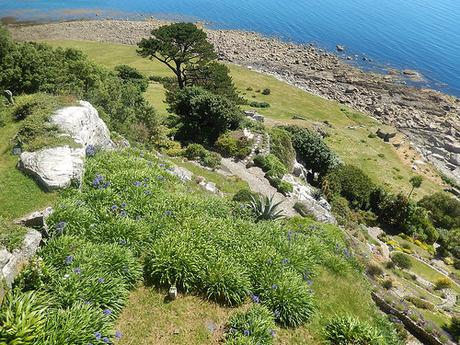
(148,319)
(18,193)
(378,159)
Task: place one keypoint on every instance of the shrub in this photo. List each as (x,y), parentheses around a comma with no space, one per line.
(244,195)
(226,282)
(348,330)
(401,260)
(420,303)
(131,75)
(79,324)
(442,283)
(444,210)
(390,265)
(312,151)
(271,165)
(67,253)
(173,261)
(281,147)
(195,151)
(289,298)
(282,186)
(254,326)
(341,210)
(387,284)
(266,92)
(35,67)
(205,157)
(351,183)
(256,104)
(234,144)
(203,115)
(374,270)
(23,317)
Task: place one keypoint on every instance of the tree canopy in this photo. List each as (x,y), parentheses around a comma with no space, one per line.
(180,46)
(203,115)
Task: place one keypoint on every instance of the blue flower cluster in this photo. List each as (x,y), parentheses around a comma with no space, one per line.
(99,182)
(90,151)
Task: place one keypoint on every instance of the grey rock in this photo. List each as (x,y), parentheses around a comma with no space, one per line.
(452,147)
(54,168)
(455,159)
(340,48)
(386,136)
(5,256)
(9,96)
(34,219)
(182,173)
(21,256)
(84,125)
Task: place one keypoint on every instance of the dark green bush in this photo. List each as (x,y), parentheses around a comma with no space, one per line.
(254,326)
(266,92)
(271,165)
(131,75)
(244,195)
(195,151)
(351,183)
(205,157)
(234,144)
(454,327)
(256,104)
(203,115)
(348,330)
(444,210)
(281,147)
(374,270)
(401,260)
(312,151)
(341,210)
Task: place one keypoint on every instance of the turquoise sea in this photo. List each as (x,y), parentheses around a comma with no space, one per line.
(423,35)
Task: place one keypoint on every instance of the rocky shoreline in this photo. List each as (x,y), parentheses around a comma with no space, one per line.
(429,118)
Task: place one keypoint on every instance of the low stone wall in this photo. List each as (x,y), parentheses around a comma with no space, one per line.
(411,326)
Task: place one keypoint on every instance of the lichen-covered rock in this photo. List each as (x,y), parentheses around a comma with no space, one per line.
(59,167)
(84,125)
(19,257)
(54,168)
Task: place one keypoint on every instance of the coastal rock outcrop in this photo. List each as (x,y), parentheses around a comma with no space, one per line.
(59,167)
(426,116)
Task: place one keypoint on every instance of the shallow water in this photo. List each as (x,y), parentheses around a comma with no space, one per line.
(423,35)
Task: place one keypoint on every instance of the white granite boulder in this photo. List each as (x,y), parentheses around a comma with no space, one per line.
(84,125)
(54,168)
(59,167)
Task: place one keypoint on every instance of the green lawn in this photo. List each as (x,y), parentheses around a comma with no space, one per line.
(378,159)
(149,319)
(426,272)
(19,194)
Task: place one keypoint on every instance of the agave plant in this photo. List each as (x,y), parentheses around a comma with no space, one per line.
(265,208)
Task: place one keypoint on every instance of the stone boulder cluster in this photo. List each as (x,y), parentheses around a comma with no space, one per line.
(430,119)
(59,167)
